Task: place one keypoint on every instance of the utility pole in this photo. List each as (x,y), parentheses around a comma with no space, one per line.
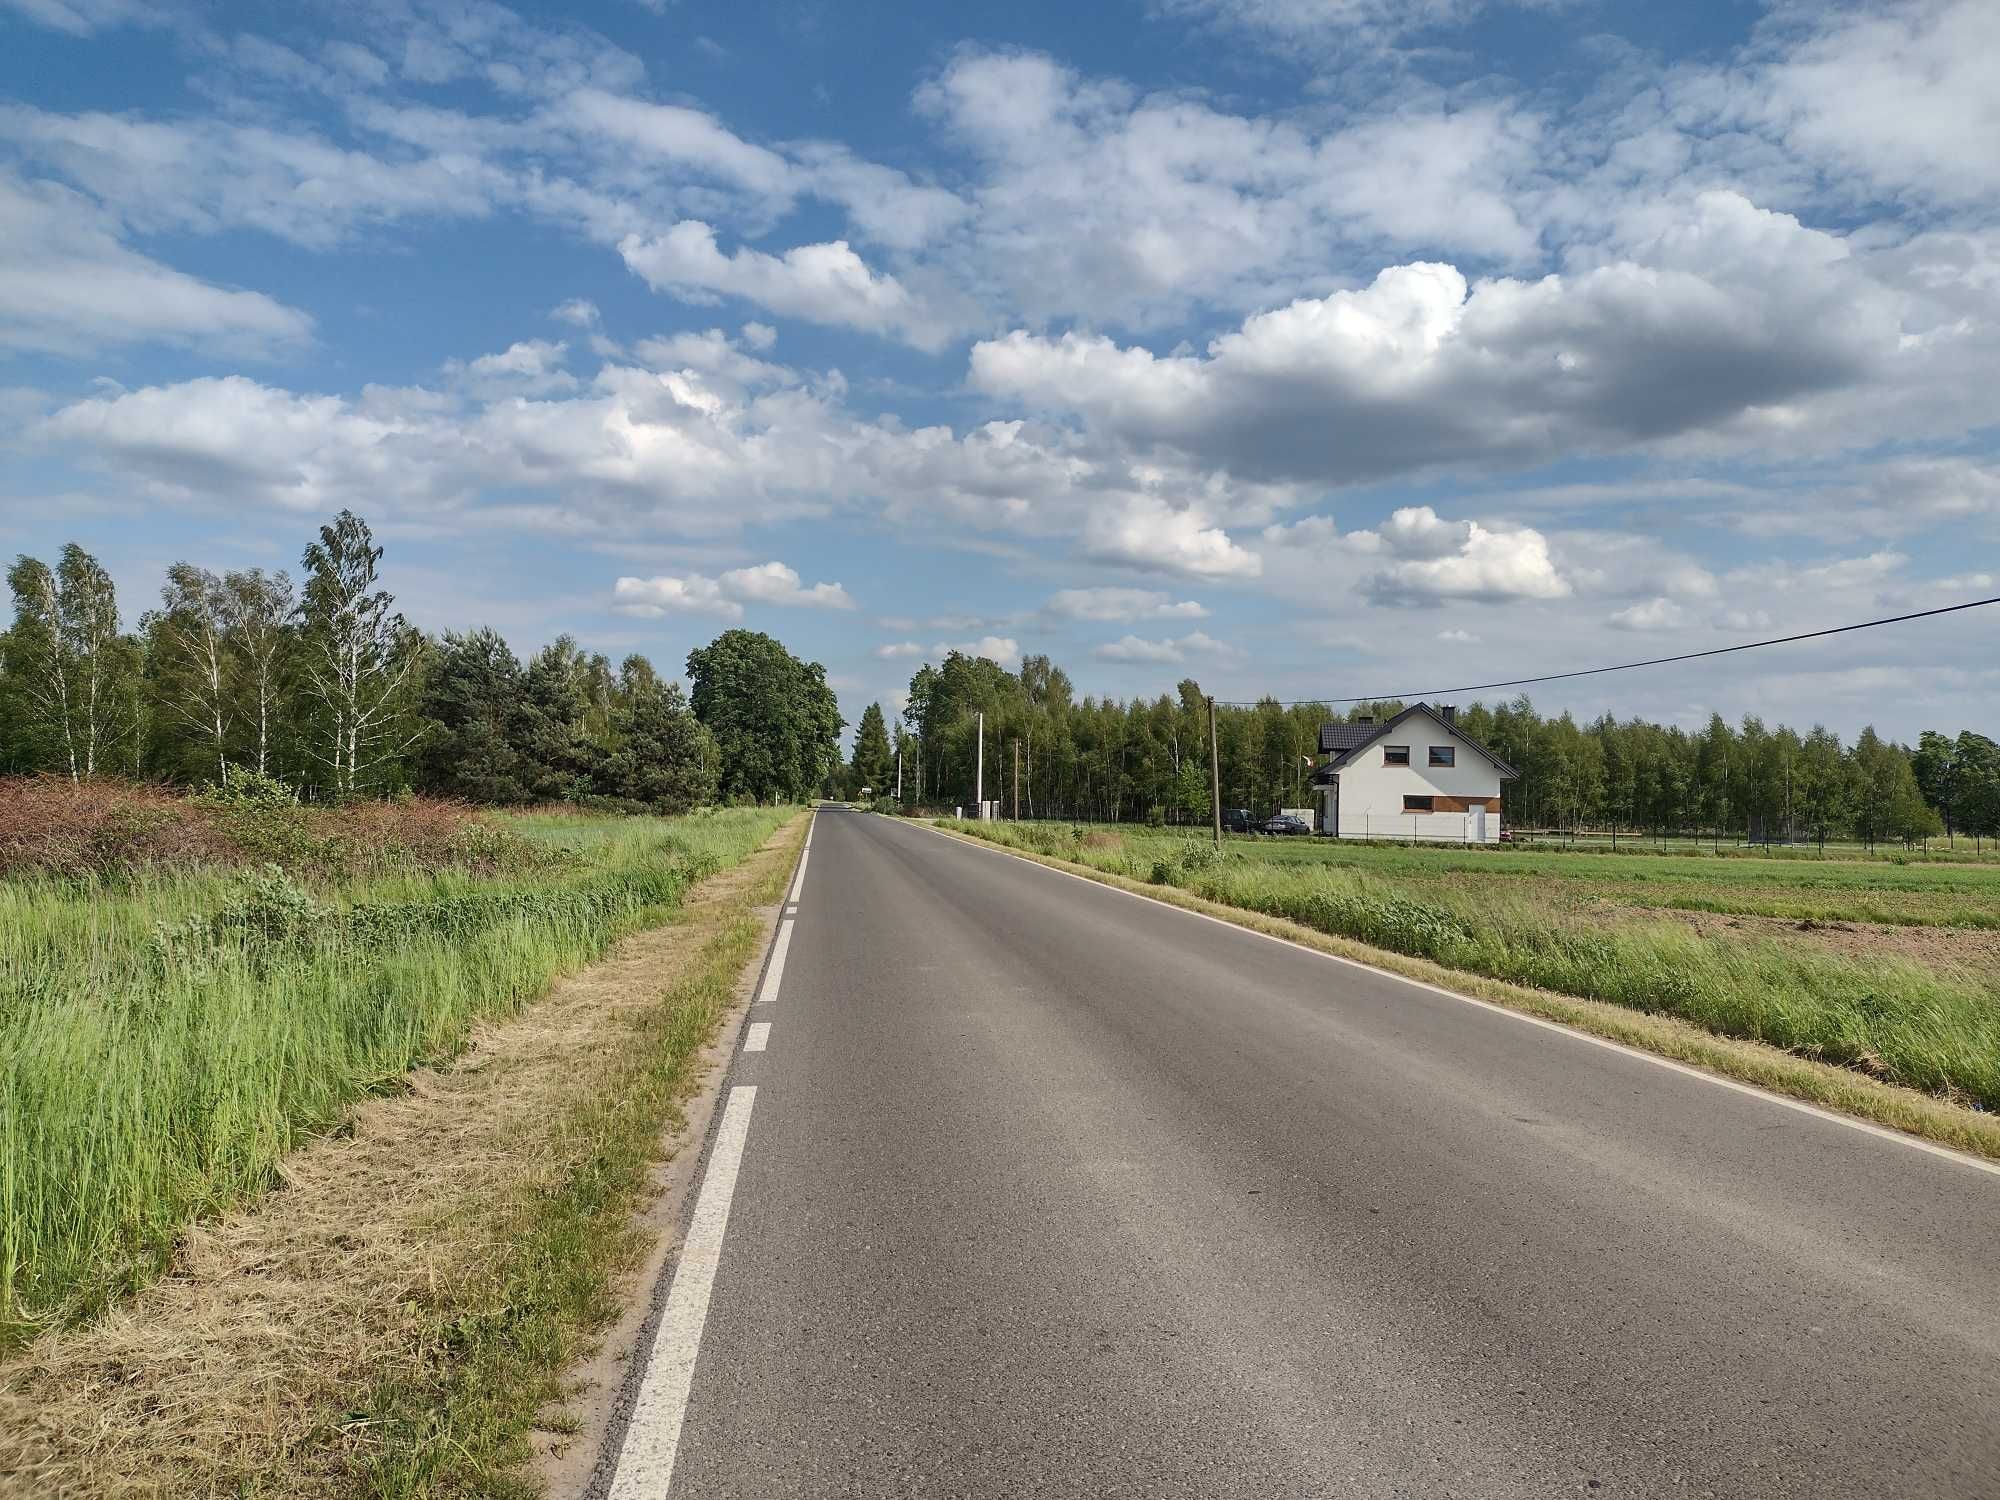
(979,770)
(1214,777)
(1017,778)
(899,768)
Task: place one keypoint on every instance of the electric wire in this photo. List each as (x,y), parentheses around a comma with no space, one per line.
(1656,661)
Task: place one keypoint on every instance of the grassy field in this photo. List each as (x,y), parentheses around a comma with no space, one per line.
(1919,894)
(171,1026)
(1917,1003)
(1965,850)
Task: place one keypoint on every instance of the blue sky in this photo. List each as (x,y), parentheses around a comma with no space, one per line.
(1302,346)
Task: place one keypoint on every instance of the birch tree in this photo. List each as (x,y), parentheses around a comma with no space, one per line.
(71,658)
(191,662)
(259,608)
(359,661)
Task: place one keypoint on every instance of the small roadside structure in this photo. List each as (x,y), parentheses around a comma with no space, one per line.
(1416,776)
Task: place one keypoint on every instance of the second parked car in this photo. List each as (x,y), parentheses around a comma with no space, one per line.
(1286,823)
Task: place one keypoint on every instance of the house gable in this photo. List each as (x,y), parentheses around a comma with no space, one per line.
(1347,746)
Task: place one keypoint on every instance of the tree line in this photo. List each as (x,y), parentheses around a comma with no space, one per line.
(1101,759)
(322,683)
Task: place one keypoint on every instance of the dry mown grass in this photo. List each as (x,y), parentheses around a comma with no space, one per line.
(1948,947)
(247,1370)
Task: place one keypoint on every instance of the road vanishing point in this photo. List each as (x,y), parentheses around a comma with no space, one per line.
(1023,1186)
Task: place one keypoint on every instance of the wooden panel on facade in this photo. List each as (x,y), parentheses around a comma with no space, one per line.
(1445,804)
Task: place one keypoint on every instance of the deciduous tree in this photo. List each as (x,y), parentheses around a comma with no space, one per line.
(69,661)
(189,655)
(359,662)
(260,608)
(775,721)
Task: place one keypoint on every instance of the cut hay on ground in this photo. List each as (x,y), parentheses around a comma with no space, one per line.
(240,1372)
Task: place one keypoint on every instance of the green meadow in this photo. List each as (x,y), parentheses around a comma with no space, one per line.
(170,1029)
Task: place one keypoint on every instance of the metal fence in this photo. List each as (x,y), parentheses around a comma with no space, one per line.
(1422,828)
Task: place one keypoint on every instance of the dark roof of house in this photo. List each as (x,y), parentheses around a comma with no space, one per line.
(1345,741)
(1344,736)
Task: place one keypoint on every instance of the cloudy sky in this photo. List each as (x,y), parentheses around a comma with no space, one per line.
(1312,347)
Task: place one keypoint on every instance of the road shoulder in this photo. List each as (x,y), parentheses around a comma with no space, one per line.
(577,1447)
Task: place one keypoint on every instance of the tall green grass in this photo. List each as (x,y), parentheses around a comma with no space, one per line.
(1936,1030)
(165,1038)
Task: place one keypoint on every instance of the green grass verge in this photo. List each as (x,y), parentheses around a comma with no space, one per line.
(461,1424)
(166,1037)
(1821,1029)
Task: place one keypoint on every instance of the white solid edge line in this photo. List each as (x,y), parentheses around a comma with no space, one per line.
(799,879)
(759,1036)
(646,1459)
(774,975)
(1866,1127)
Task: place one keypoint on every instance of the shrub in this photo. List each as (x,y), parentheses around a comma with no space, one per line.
(112,829)
(1198,854)
(49,824)
(244,788)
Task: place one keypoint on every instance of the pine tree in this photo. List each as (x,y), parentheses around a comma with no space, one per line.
(871,765)
(666,759)
(472,703)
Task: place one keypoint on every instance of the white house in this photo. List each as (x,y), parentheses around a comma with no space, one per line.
(1416,776)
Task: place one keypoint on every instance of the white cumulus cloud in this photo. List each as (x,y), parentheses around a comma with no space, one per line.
(1122,604)
(1154,536)
(649,598)
(1719,311)
(774,583)
(69,286)
(826,283)
(1132,648)
(1653,614)
(771,583)
(1002,650)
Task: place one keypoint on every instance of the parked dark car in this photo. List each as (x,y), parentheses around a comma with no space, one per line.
(1239,820)
(1286,823)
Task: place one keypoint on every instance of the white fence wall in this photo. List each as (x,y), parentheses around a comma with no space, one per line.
(1429,828)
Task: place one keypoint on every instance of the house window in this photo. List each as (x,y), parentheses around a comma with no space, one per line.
(1416,804)
(1444,755)
(1395,755)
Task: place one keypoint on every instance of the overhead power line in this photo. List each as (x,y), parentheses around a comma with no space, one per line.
(1626,666)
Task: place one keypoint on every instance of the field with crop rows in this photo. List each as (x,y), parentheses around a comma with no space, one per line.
(188,992)
(1890,968)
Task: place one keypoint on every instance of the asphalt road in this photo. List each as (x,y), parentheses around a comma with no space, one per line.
(1052,1191)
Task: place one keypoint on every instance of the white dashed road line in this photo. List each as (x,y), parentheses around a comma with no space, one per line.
(775,974)
(646,1462)
(645,1466)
